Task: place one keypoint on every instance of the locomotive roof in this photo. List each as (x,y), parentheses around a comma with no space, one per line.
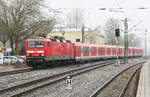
(38,39)
(55,40)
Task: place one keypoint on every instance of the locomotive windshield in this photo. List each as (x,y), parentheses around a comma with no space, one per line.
(35,44)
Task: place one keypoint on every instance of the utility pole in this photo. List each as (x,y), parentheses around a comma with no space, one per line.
(83,33)
(145,44)
(126,41)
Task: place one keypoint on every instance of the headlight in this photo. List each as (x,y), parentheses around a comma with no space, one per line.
(42,54)
(28,54)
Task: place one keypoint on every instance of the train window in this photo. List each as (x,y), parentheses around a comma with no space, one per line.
(79,50)
(48,44)
(99,50)
(84,51)
(87,50)
(103,50)
(76,50)
(95,50)
(39,43)
(31,44)
(108,50)
(116,50)
(92,50)
(113,50)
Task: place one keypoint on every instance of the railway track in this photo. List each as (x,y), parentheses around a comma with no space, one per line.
(16,71)
(18,90)
(23,71)
(100,89)
(127,84)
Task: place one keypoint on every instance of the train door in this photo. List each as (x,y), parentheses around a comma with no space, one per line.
(77,51)
(92,51)
(103,51)
(114,51)
(109,51)
(99,51)
(85,51)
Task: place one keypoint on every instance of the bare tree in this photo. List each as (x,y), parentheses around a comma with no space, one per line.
(134,41)
(75,18)
(3,23)
(109,31)
(3,35)
(24,19)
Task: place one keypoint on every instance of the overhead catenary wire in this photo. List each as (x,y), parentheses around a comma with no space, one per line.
(122,10)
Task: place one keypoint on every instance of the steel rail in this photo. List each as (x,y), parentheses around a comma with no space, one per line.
(16,71)
(51,79)
(111,79)
(127,84)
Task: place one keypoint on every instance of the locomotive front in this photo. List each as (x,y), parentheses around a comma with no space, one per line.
(35,51)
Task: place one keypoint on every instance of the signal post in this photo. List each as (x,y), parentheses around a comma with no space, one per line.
(117,34)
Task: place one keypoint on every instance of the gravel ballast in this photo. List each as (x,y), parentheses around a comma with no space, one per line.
(82,86)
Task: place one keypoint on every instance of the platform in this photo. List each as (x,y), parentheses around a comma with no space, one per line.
(144,81)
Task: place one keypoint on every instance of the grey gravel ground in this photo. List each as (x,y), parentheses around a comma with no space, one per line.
(11,80)
(82,86)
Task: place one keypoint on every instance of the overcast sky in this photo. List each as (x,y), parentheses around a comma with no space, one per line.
(95,17)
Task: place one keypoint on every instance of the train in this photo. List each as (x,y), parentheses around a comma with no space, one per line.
(43,52)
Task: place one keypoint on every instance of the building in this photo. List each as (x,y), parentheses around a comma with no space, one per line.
(91,36)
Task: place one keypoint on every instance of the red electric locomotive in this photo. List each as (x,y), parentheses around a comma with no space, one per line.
(45,51)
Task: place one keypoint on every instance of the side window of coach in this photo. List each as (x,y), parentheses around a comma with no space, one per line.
(77,50)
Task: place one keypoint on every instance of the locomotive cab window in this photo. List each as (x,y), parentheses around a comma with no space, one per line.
(31,44)
(35,44)
(39,44)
